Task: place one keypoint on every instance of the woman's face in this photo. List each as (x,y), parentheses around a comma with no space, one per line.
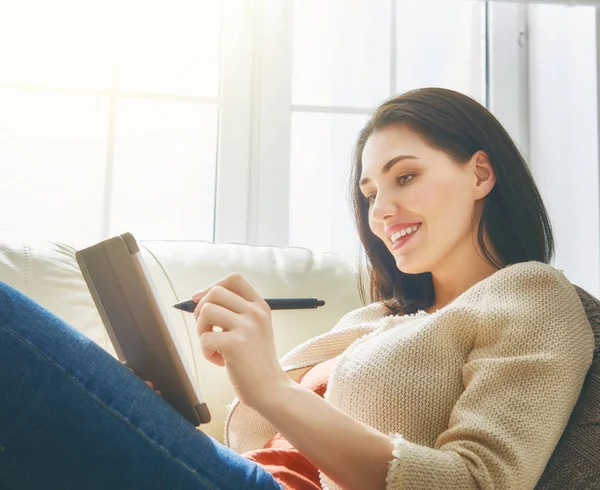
(423,205)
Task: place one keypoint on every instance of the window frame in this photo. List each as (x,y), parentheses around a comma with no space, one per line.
(266,219)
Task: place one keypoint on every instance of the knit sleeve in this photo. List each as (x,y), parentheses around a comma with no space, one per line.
(522,378)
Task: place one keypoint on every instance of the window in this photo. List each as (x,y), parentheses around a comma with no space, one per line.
(346,61)
(231,121)
(109,114)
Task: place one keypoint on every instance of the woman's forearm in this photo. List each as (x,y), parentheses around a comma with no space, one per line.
(349,452)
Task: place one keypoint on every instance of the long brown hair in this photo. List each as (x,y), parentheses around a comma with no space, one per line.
(513,213)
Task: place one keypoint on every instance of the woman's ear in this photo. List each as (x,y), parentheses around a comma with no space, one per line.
(485,177)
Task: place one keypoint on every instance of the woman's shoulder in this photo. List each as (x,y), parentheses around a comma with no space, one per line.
(528,268)
(532,267)
(530,277)
(519,289)
(530,288)
(525,282)
(534,303)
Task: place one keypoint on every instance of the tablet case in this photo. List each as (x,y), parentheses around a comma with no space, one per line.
(126,299)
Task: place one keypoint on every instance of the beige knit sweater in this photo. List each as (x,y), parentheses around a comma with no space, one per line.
(476,394)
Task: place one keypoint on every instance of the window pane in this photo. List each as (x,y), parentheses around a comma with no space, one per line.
(563,105)
(63,43)
(52,162)
(321,153)
(164,172)
(341,52)
(441,43)
(170,47)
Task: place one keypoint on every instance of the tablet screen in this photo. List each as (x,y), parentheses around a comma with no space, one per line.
(140,263)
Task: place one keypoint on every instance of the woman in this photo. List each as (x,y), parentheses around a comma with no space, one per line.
(449,380)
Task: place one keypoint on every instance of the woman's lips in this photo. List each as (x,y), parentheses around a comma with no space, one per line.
(401,241)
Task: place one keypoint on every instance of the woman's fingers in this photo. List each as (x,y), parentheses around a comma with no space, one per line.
(237,284)
(211,343)
(213,315)
(149,383)
(224,297)
(128,367)
(234,283)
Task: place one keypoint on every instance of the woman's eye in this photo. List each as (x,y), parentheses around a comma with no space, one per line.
(401,179)
(405,179)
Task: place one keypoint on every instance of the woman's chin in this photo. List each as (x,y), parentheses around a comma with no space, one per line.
(410,265)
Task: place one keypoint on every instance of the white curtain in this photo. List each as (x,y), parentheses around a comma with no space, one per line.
(563,111)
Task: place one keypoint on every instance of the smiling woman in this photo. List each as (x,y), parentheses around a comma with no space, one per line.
(465,329)
(438,160)
(446,381)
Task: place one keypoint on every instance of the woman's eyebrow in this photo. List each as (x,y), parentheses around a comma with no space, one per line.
(387,167)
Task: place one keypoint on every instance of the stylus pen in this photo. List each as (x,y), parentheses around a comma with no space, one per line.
(275,304)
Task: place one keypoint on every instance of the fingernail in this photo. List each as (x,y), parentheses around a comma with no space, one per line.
(198,295)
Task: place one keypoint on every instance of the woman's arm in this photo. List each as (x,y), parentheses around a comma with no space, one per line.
(352,454)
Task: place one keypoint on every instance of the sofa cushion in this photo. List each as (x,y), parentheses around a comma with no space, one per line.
(575,462)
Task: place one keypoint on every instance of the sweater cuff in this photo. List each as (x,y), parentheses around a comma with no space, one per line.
(423,468)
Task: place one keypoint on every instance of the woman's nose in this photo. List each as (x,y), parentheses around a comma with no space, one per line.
(383,207)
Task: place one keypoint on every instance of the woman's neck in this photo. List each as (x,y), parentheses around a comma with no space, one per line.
(456,276)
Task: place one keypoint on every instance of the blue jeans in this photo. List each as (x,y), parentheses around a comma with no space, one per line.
(73,417)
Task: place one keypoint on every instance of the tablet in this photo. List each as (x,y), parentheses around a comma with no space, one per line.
(136,322)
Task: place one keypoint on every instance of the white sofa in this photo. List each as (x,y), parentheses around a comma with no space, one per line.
(47,272)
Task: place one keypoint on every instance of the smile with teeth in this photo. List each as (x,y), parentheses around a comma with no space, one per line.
(403,232)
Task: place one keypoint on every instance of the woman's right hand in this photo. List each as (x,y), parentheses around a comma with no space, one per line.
(149,383)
